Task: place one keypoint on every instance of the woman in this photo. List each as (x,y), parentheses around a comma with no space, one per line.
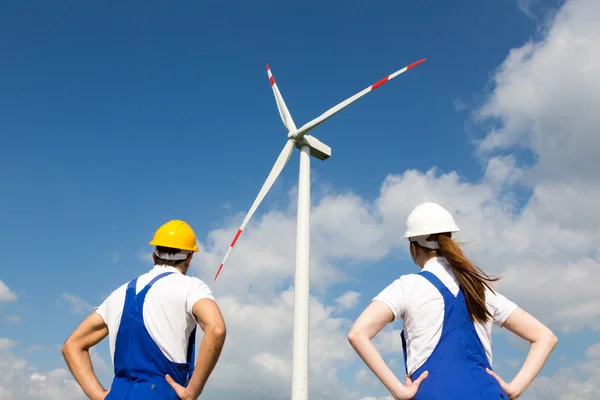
(448,310)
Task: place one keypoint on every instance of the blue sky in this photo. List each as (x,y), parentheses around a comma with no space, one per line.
(118,117)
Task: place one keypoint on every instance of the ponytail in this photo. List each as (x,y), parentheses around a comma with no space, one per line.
(473,280)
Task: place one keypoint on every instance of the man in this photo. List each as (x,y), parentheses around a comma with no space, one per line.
(151,324)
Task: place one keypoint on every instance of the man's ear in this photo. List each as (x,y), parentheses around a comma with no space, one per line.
(154,258)
(188,260)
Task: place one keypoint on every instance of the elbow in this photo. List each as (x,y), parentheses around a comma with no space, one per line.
(354,336)
(547,338)
(219,331)
(552,339)
(67,349)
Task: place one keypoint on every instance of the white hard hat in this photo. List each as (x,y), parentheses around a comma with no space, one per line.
(427,219)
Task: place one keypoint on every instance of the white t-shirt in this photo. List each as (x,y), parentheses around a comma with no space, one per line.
(420,305)
(167,310)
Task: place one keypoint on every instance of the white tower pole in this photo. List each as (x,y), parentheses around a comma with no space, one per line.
(302,283)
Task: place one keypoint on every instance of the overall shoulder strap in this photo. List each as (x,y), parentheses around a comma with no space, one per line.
(141,296)
(435,281)
(130,295)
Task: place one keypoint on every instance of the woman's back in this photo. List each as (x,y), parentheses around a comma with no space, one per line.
(417,302)
(447,330)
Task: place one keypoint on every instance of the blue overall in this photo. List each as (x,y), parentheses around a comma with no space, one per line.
(140,365)
(458,362)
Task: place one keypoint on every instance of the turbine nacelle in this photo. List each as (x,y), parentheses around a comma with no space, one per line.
(318,149)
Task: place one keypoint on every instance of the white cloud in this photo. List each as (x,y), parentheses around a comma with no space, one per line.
(77,304)
(365,377)
(11,319)
(20,380)
(6,343)
(348,300)
(258,349)
(34,348)
(6,294)
(546,96)
(580,381)
(593,351)
(525,6)
(145,256)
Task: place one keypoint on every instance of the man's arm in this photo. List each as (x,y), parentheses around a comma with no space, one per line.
(209,317)
(76,353)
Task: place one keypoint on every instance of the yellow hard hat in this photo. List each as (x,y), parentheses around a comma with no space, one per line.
(176,234)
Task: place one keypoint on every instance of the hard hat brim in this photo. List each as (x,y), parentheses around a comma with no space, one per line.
(408,235)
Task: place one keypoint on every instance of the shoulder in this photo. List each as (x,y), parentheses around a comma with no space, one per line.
(117,293)
(500,306)
(114,299)
(398,293)
(197,290)
(198,284)
(404,283)
(188,285)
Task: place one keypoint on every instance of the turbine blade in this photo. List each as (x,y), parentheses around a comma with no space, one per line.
(323,117)
(283,110)
(283,158)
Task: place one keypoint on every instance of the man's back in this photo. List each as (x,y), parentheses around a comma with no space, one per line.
(150,322)
(167,311)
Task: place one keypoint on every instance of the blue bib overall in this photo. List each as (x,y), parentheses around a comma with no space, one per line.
(140,365)
(458,362)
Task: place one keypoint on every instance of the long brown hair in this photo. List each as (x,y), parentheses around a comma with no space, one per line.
(472,279)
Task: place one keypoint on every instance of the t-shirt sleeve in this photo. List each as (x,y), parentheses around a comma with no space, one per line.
(198,291)
(500,307)
(394,296)
(101,310)
(108,303)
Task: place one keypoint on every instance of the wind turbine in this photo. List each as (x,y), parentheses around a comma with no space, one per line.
(309,146)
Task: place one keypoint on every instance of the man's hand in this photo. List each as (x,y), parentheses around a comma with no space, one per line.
(103,395)
(76,353)
(182,392)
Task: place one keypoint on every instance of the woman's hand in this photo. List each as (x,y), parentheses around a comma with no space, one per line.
(512,392)
(410,388)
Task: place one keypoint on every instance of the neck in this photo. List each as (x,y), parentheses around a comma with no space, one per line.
(182,268)
(425,258)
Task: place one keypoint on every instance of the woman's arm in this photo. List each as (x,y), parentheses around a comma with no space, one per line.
(369,323)
(542,342)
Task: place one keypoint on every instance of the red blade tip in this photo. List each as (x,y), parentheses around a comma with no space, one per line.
(416,63)
(218,272)
(268,66)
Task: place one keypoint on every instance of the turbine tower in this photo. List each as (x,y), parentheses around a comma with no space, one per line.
(308,146)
